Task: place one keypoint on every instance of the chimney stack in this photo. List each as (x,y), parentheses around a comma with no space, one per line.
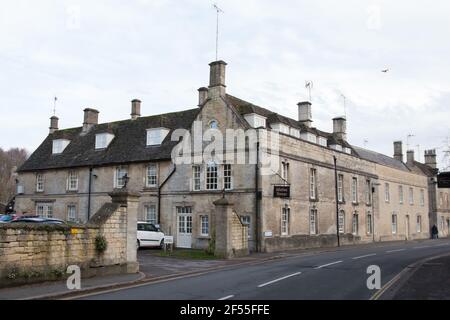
(430,158)
(135,109)
(398,150)
(340,127)
(304,113)
(53,124)
(410,157)
(90,119)
(202,96)
(217,79)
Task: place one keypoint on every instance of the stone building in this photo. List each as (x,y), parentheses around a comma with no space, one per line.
(301,202)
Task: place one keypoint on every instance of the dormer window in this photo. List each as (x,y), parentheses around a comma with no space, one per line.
(295,132)
(156,136)
(102,140)
(281,128)
(348,150)
(337,147)
(59,145)
(255,120)
(308,136)
(322,141)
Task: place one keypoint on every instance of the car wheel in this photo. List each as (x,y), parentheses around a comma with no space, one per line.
(161,245)
(138,245)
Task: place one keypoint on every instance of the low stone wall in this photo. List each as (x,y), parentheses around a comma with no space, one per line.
(35,252)
(306,241)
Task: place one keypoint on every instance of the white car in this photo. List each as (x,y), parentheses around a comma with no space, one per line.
(149,235)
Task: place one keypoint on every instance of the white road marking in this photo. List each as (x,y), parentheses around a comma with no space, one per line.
(367,255)
(226,298)
(398,250)
(328,264)
(441,245)
(276,280)
(423,247)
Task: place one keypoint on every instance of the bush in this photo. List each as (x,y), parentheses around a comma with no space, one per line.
(101,244)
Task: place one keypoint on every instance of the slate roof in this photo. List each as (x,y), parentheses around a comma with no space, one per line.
(427,170)
(129,144)
(380,158)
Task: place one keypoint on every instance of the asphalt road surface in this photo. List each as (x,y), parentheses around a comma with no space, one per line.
(333,275)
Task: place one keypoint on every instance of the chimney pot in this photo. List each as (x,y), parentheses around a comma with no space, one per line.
(398,150)
(90,119)
(53,124)
(410,157)
(202,96)
(135,109)
(305,113)
(340,127)
(430,158)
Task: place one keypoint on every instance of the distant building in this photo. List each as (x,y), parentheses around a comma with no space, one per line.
(293,206)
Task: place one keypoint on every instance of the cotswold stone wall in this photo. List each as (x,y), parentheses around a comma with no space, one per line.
(31,253)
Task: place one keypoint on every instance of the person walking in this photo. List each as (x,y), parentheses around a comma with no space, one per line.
(434,232)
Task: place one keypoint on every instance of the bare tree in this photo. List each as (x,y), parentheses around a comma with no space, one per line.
(10,161)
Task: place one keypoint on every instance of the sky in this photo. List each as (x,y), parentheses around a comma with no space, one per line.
(104,53)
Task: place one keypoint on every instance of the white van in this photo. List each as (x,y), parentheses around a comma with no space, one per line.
(149,235)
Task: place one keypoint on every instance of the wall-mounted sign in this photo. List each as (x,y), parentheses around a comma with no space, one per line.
(444,180)
(168,239)
(268,234)
(282,191)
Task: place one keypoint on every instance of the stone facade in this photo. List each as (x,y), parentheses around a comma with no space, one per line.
(301,220)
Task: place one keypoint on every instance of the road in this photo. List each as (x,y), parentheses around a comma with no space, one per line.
(340,274)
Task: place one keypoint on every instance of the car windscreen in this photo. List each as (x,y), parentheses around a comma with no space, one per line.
(146,227)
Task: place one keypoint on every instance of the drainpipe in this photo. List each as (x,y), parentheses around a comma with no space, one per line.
(257,236)
(337,202)
(159,192)
(89,194)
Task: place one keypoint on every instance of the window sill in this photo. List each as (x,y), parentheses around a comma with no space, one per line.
(355,203)
(313,199)
(72,191)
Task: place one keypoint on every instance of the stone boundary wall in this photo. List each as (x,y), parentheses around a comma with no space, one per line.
(306,241)
(36,252)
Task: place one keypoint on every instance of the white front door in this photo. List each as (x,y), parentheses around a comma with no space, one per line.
(184,235)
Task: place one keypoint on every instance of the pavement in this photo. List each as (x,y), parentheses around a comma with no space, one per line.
(333,273)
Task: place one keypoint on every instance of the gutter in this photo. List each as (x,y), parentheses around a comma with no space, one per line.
(159,191)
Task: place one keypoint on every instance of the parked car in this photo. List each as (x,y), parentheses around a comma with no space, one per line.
(7,218)
(149,235)
(37,219)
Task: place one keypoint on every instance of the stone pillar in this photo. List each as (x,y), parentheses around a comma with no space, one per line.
(231,238)
(129,200)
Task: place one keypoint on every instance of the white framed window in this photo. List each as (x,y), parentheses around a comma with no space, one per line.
(312,138)
(102,140)
(285,171)
(59,145)
(355,224)
(411,196)
(285,213)
(156,136)
(72,213)
(341,222)
(419,224)
(44,210)
(211,176)
(355,190)
(400,194)
(227,177)
(441,199)
(295,132)
(196,171)
(39,182)
(204,226)
(281,128)
(312,183)
(152,176)
(422,197)
(336,147)
(247,221)
(348,150)
(150,214)
(323,141)
(72,181)
(340,188)
(313,225)
(394,223)
(120,176)
(368,193)
(255,120)
(369,223)
(387,194)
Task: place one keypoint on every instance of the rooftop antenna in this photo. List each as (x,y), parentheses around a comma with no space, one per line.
(366,142)
(309,85)
(218,11)
(54,105)
(408,137)
(345,105)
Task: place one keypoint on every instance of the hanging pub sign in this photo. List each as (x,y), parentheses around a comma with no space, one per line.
(282,191)
(444,180)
